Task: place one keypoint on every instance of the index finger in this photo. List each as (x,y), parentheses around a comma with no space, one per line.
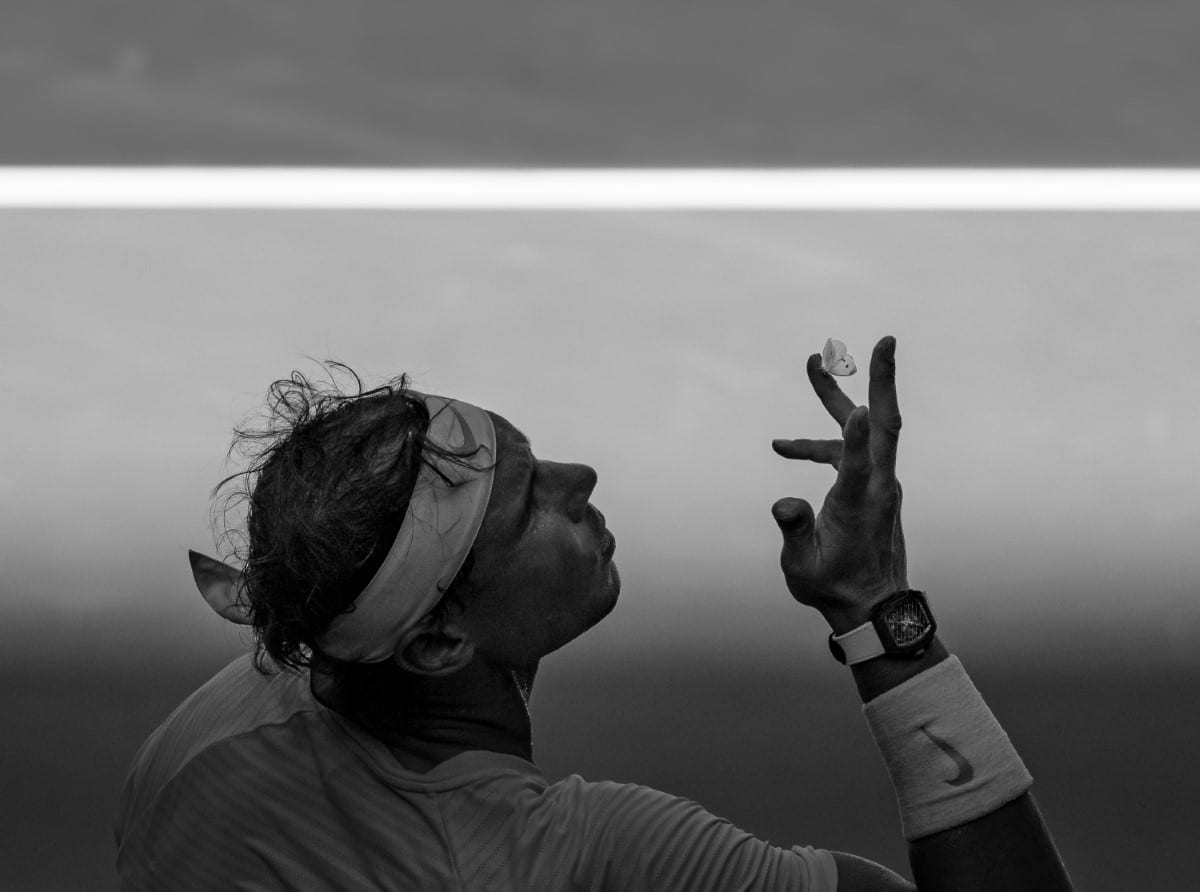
(883,406)
(836,403)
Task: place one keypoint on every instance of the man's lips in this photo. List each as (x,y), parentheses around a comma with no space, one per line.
(610,541)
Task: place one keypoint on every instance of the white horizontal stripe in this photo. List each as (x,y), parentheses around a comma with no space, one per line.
(629,189)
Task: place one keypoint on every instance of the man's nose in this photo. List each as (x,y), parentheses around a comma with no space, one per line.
(576,483)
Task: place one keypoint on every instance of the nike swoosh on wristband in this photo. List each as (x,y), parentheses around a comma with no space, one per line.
(965,771)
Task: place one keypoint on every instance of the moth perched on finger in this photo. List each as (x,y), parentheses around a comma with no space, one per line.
(835,360)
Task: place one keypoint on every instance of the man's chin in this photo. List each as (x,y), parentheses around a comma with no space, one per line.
(614,581)
(613,591)
(606,598)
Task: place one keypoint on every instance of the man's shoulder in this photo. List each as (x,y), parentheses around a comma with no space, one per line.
(642,837)
(606,803)
(235,703)
(574,786)
(238,699)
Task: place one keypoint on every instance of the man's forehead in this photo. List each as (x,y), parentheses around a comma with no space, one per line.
(515,433)
(513,458)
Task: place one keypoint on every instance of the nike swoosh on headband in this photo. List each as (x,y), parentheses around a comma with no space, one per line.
(470,444)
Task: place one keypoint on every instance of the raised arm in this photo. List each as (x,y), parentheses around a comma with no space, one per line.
(977,829)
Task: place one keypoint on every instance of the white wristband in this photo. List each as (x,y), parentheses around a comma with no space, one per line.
(949,759)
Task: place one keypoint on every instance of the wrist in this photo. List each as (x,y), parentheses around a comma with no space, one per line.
(883,673)
(843,618)
(894,638)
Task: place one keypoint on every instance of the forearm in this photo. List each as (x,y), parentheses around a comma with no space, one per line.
(1008,848)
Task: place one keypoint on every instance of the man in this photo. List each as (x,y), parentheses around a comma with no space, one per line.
(410,562)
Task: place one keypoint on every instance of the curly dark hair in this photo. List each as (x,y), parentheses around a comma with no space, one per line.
(330,471)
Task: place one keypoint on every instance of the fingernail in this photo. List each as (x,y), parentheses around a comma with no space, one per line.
(778,443)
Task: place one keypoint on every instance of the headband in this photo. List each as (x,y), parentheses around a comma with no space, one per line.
(444,513)
(439,529)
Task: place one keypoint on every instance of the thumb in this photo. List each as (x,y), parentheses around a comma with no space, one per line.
(794,516)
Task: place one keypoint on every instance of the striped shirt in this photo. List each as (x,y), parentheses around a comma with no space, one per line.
(252,784)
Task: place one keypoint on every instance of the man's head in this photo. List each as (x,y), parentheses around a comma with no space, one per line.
(330,480)
(542,571)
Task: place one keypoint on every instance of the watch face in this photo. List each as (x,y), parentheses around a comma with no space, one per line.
(907,621)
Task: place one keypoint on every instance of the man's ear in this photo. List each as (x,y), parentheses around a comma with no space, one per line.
(220,584)
(437,645)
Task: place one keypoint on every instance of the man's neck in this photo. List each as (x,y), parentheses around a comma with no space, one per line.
(426,720)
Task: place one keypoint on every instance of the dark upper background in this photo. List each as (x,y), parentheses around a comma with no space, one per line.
(616,83)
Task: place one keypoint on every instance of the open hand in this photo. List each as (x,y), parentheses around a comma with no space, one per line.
(851,555)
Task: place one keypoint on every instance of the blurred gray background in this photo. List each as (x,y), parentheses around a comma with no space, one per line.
(626,83)
(1045,368)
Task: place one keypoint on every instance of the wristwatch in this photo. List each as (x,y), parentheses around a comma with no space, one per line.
(900,626)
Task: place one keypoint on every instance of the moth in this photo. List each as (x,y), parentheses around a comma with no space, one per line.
(835,359)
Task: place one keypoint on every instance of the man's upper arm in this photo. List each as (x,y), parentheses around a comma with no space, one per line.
(637,838)
(857,874)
